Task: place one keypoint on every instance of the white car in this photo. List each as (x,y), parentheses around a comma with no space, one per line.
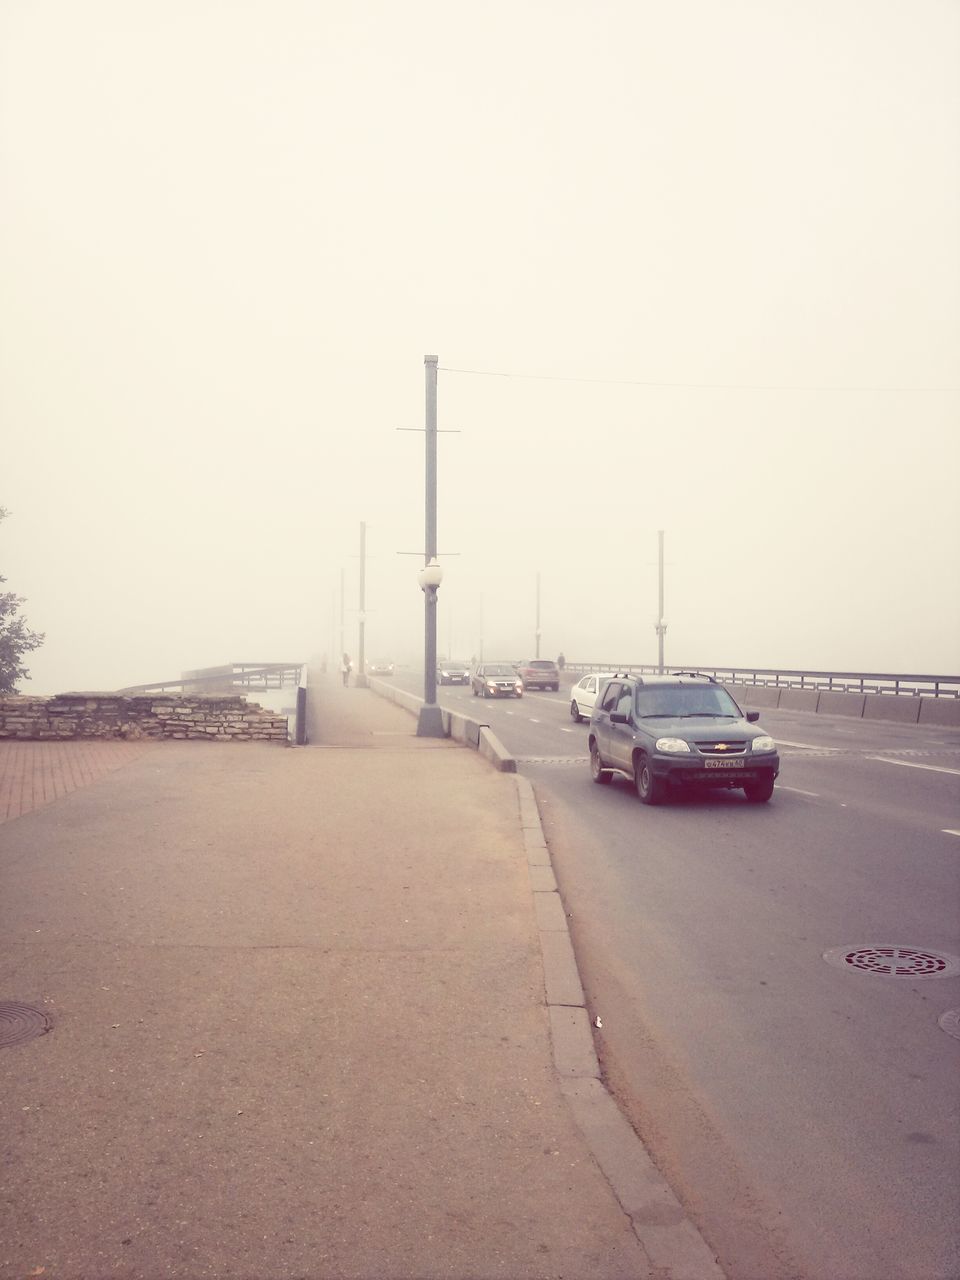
(584,693)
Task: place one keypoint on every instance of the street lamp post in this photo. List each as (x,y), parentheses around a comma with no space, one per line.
(361,680)
(342,611)
(660,625)
(430,721)
(537,632)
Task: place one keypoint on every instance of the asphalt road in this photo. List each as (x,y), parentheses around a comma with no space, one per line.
(806,1113)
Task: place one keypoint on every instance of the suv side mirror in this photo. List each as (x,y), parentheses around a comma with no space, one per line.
(753,717)
(618,717)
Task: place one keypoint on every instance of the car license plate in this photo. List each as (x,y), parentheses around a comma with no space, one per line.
(723,764)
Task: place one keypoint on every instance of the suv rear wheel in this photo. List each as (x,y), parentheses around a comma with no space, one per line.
(597,771)
(651,790)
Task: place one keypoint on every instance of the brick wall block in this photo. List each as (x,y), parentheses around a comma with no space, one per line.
(208,718)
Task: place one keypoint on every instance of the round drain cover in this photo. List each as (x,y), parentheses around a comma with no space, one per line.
(895,962)
(20,1022)
(950,1022)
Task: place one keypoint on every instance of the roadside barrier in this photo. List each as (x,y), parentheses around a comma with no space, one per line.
(860,706)
(459,727)
(904,685)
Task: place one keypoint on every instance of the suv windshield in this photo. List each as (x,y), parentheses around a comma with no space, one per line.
(543,666)
(684,700)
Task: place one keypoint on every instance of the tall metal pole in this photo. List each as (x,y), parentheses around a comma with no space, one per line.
(342,650)
(537,637)
(661,625)
(430,723)
(361,680)
(334,665)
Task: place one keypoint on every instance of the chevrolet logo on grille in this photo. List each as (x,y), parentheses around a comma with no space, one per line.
(721,746)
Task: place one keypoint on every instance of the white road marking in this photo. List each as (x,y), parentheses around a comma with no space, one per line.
(807,746)
(564,730)
(533,721)
(797,791)
(911,764)
(949,831)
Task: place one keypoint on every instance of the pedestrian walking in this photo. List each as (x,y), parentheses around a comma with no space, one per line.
(346,666)
(561,662)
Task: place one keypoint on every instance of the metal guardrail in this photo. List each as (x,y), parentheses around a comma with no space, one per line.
(238,676)
(931,686)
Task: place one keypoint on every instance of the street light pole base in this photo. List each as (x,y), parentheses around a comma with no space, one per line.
(430,722)
(360,681)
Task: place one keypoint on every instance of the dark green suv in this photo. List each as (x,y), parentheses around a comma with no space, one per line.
(679,731)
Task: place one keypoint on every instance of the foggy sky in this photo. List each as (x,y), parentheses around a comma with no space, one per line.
(722,237)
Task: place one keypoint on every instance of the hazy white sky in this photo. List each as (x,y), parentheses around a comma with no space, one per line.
(231,229)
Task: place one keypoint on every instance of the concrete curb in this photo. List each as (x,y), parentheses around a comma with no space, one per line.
(493,749)
(459,727)
(668,1237)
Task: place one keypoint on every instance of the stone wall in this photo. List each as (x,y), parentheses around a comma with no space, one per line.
(213,717)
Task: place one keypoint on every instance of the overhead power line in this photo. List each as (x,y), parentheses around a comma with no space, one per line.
(689,386)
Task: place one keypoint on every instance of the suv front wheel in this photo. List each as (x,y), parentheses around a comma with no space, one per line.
(650,790)
(760,791)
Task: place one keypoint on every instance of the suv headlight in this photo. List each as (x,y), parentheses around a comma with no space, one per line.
(673,746)
(763,743)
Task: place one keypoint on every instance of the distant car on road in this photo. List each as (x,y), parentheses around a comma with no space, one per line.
(539,673)
(673,732)
(380,669)
(496,680)
(453,673)
(584,693)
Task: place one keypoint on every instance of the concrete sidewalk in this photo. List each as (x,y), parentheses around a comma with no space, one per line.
(299,1026)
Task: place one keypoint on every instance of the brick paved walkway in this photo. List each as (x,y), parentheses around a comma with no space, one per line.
(33,774)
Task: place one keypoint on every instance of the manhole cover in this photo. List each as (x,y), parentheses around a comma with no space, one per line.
(895,962)
(20,1022)
(950,1023)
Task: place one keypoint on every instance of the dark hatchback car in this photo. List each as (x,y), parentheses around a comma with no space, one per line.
(673,732)
(453,673)
(496,680)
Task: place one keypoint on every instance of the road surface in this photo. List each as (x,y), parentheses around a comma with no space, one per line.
(806,1112)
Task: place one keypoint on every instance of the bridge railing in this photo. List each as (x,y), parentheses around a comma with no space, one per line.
(239,676)
(930,686)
